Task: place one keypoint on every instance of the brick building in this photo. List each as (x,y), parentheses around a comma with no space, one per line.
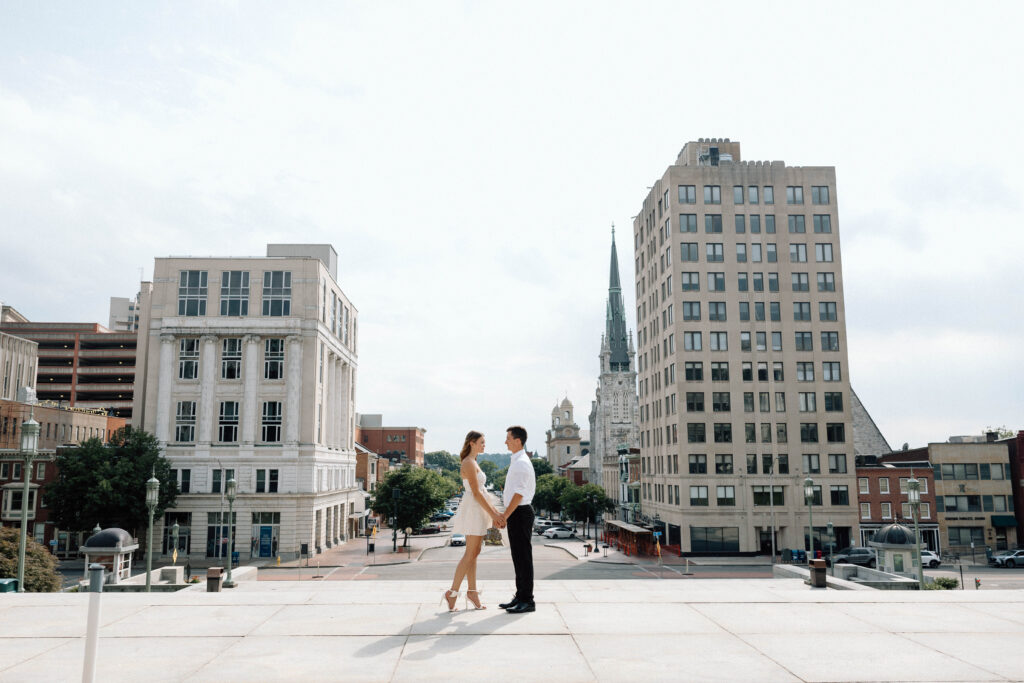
(82,365)
(882,497)
(59,427)
(397,444)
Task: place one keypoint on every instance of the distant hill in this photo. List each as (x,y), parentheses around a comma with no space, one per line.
(500,460)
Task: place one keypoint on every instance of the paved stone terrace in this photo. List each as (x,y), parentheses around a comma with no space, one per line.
(635,630)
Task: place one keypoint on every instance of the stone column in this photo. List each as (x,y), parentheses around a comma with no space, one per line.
(339,403)
(293,400)
(163,395)
(251,409)
(347,414)
(325,400)
(208,410)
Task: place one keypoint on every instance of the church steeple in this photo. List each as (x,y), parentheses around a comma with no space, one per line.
(615,323)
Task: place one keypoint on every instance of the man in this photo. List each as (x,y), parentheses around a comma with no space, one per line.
(520,485)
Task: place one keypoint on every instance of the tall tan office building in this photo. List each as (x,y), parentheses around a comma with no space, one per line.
(743,375)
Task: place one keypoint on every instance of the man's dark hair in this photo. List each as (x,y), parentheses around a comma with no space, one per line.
(518,432)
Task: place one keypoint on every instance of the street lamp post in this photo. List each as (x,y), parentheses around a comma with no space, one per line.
(230,490)
(29,450)
(831,544)
(396,494)
(152,497)
(914,495)
(809,497)
(175,530)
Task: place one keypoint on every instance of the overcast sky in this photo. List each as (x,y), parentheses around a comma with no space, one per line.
(467,159)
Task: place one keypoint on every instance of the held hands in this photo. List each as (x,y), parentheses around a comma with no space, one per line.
(499,521)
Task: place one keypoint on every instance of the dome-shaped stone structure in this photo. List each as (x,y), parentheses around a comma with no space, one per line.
(894,534)
(110,538)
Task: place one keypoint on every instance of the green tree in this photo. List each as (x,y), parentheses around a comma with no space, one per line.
(488,467)
(1001,431)
(423,492)
(549,492)
(498,479)
(583,503)
(443,459)
(541,467)
(105,484)
(40,565)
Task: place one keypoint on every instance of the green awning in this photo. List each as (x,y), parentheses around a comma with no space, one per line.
(1004,520)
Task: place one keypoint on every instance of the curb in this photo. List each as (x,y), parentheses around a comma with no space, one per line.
(569,552)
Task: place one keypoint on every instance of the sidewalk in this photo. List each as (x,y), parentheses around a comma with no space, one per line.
(731,630)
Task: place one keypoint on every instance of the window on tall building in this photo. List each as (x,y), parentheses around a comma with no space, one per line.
(752,194)
(777,372)
(808,404)
(769,224)
(801,310)
(742,282)
(713,223)
(725,495)
(688,252)
(716,311)
(808,432)
(231,358)
(835,432)
(272,420)
(747,371)
(720,401)
(741,253)
(797,224)
(698,464)
(740,222)
(277,293)
(692,341)
(687,222)
(744,311)
(723,463)
(694,371)
(840,494)
(804,372)
(720,371)
(794,194)
(691,282)
(826,282)
(737,194)
(719,341)
(687,194)
(798,253)
(773,282)
(768,495)
(228,423)
(755,224)
(234,293)
(819,194)
(823,253)
(756,253)
(273,359)
(723,432)
(745,341)
(780,401)
(712,194)
(188,358)
(769,194)
(716,282)
(695,401)
(715,252)
(691,310)
(185,422)
(830,372)
(699,495)
(804,341)
(696,432)
(192,291)
(827,311)
(837,463)
(833,401)
(823,224)
(829,341)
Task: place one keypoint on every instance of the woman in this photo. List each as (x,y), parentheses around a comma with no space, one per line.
(474,516)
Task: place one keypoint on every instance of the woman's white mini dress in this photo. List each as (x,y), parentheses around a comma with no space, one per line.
(471,519)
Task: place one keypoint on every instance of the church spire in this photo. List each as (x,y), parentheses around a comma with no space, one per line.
(615,325)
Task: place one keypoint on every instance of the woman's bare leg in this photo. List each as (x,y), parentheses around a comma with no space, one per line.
(473,546)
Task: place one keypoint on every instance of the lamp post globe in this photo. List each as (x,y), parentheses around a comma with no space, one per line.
(152,498)
(29,450)
(914,497)
(230,491)
(809,497)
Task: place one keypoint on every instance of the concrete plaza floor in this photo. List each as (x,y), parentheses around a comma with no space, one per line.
(635,630)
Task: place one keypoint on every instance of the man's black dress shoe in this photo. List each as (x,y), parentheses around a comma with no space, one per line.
(520,608)
(511,603)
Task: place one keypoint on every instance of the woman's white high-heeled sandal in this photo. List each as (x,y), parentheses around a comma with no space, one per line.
(454,596)
(468,591)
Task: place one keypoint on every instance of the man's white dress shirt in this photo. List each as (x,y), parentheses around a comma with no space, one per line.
(519,479)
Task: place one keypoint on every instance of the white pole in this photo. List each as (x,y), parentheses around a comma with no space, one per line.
(92,629)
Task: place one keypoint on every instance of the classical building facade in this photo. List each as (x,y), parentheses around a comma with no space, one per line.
(18,359)
(743,375)
(248,371)
(614,413)
(563,439)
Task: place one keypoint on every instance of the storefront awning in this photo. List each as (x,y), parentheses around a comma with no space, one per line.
(632,528)
(1004,520)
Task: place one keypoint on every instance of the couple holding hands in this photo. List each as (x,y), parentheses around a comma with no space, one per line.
(476,514)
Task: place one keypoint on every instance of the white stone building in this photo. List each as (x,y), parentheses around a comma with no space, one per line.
(18,360)
(615,411)
(563,439)
(247,369)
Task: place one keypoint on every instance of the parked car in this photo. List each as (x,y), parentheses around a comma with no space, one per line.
(558,532)
(542,525)
(1008,558)
(457,539)
(441,517)
(865,557)
(930,559)
(427,529)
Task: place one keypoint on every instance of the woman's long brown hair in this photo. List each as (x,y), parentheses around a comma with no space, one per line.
(466,447)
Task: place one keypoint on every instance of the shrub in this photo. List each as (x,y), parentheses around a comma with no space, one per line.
(942,583)
(40,565)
